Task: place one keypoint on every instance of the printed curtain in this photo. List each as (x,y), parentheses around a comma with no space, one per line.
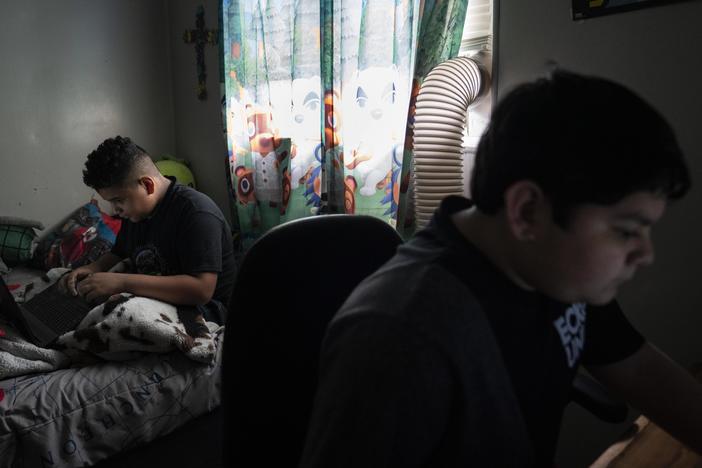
(318,103)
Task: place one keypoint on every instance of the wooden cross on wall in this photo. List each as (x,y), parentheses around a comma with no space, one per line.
(200,36)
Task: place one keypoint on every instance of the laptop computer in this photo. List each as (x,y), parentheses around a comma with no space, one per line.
(46,316)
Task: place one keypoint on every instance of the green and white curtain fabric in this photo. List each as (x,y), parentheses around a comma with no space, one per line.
(318,102)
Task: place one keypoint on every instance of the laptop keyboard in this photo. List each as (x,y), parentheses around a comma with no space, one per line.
(57,311)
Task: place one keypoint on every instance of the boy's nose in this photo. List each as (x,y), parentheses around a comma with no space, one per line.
(644,254)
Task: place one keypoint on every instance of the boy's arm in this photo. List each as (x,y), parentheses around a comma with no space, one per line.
(104,263)
(661,389)
(196,289)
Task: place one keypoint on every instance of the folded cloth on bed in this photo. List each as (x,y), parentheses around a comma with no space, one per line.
(20,357)
(119,327)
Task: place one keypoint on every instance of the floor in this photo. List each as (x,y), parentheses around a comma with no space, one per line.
(198,444)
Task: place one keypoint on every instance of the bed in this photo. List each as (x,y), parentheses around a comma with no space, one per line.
(78,417)
(95,402)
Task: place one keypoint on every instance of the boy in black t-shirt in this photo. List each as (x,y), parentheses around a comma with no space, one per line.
(177,239)
(461,350)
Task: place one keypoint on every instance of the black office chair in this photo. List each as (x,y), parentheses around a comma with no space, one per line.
(290,284)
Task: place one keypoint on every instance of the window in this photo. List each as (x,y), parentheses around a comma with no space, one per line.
(477,44)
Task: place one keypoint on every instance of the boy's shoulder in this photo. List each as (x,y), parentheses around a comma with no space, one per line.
(188,197)
(428,290)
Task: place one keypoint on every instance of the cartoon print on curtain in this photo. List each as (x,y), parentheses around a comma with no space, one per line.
(316,101)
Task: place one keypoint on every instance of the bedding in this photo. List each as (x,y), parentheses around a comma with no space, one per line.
(81,238)
(80,416)
(55,415)
(129,324)
(17,239)
(121,328)
(20,357)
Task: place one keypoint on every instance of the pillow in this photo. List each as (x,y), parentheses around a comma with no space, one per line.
(80,239)
(17,239)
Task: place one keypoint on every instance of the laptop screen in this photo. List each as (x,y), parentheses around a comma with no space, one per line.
(8,306)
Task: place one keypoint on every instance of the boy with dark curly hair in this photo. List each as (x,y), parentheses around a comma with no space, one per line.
(177,239)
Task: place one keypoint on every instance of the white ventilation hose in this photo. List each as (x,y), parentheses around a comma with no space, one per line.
(440,118)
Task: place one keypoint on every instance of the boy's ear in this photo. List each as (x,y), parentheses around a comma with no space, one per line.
(148,184)
(526,207)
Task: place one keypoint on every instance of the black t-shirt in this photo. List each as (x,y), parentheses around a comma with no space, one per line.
(542,341)
(186,234)
(408,373)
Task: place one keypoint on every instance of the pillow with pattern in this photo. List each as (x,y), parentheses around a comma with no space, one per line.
(80,239)
(17,239)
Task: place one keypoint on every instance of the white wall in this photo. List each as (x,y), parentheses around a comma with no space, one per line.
(73,73)
(198,124)
(654,51)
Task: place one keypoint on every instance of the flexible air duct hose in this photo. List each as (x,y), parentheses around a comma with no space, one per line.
(440,119)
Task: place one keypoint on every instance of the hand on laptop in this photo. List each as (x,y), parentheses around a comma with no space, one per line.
(98,287)
(67,283)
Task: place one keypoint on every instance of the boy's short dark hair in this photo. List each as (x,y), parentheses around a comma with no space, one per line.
(111,164)
(582,140)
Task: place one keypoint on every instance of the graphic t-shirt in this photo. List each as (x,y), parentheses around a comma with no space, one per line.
(186,234)
(542,341)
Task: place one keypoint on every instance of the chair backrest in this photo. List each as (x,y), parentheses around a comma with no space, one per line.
(290,284)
